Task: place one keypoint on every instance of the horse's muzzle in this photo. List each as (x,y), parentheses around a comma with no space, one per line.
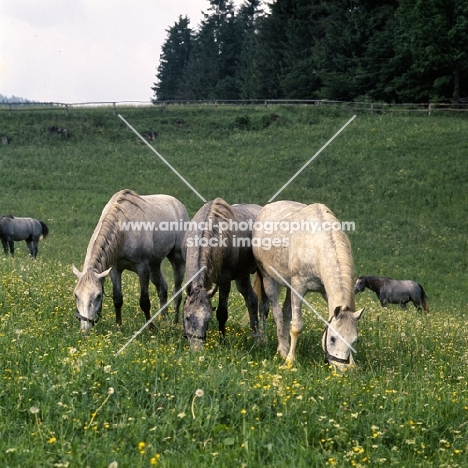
(86,319)
(189,336)
(330,359)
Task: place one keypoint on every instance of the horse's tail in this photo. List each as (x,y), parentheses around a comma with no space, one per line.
(257,286)
(45,230)
(262,308)
(425,304)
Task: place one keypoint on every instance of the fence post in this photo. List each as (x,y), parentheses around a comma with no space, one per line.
(66,109)
(429,109)
(372,108)
(113,108)
(9,109)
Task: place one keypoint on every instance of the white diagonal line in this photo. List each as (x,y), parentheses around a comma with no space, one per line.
(316,313)
(162,159)
(311,159)
(161,309)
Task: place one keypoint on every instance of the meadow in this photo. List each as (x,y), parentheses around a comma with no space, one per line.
(69,400)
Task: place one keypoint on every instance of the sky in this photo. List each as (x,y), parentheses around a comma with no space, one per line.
(79,51)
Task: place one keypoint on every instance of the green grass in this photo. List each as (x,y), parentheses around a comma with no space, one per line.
(401,178)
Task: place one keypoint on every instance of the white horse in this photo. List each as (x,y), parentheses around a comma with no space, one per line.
(118,245)
(315,259)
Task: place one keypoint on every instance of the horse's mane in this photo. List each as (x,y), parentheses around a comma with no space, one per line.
(212,257)
(376,281)
(341,271)
(107,239)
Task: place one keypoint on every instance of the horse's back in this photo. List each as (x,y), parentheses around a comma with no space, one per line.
(242,260)
(306,250)
(143,225)
(296,236)
(168,206)
(165,217)
(22,228)
(228,228)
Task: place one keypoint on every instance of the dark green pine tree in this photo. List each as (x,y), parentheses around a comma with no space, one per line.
(174,59)
(431,50)
(248,16)
(211,72)
(304,33)
(202,72)
(374,67)
(262,60)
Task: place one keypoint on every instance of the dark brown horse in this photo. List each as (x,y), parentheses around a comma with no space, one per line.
(218,247)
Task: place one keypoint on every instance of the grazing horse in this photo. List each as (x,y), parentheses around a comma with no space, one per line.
(218,247)
(291,251)
(134,233)
(17,229)
(391,291)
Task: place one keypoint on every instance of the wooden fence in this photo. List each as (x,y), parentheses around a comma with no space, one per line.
(366,107)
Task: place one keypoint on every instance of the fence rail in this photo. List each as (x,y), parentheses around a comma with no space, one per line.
(371,107)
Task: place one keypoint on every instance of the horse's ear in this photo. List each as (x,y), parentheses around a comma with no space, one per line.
(337,311)
(104,273)
(212,291)
(358,314)
(76,272)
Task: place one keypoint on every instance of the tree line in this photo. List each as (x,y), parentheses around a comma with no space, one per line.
(379,50)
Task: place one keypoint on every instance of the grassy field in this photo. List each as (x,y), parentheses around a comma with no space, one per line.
(69,401)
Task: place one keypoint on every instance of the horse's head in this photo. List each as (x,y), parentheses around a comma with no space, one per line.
(339,337)
(88,296)
(360,285)
(197,314)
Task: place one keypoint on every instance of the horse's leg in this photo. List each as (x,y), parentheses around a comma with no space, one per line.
(416,302)
(145,304)
(383,300)
(287,314)
(271,290)
(158,280)
(178,268)
(30,248)
(5,245)
(296,318)
(222,309)
(251,301)
(33,248)
(117,296)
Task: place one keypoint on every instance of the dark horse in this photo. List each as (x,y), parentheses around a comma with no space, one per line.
(391,291)
(17,229)
(217,249)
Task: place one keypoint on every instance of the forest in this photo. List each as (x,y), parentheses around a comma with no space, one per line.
(394,51)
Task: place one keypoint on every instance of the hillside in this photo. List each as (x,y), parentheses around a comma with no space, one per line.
(400,177)
(116,397)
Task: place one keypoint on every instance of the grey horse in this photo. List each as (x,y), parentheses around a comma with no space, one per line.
(134,233)
(17,229)
(392,291)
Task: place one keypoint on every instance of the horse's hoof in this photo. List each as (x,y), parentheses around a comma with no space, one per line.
(288,364)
